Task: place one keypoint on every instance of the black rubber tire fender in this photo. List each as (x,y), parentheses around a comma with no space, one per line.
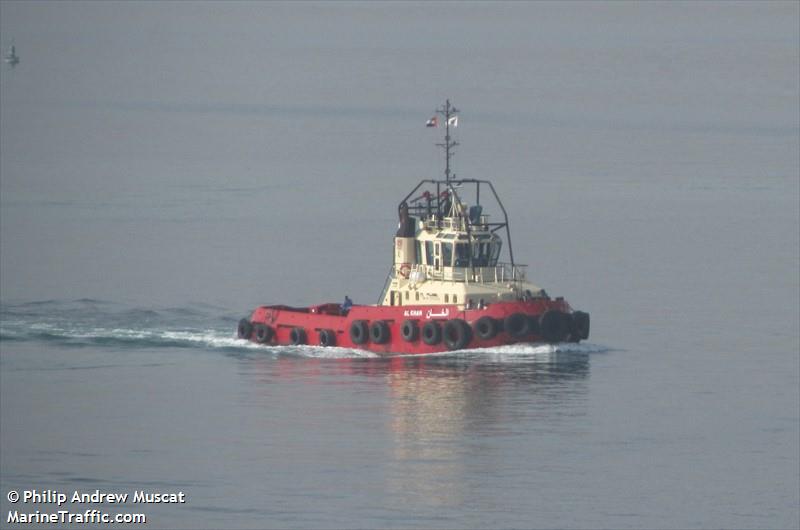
(327,337)
(298,336)
(580,325)
(409,330)
(263,333)
(553,326)
(572,335)
(431,333)
(244,329)
(379,332)
(359,331)
(516,325)
(533,324)
(457,334)
(486,328)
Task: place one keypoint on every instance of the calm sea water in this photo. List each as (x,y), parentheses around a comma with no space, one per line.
(166,167)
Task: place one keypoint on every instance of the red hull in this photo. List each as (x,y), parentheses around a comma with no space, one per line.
(508,323)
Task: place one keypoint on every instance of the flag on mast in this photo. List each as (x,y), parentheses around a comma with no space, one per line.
(453,122)
(433,122)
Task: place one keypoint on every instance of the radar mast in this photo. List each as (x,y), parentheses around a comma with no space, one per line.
(449,113)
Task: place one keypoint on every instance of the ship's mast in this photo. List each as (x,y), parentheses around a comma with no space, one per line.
(449,114)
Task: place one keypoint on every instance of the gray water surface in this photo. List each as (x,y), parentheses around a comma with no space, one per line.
(166,167)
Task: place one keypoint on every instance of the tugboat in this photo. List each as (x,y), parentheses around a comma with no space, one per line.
(446,290)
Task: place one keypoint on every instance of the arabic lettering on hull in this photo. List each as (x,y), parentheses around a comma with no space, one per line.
(429,314)
(444,313)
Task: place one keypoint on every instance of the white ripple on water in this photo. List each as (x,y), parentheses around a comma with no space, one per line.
(509,353)
(211,338)
(215,339)
(223,340)
(539,349)
(208,338)
(523,352)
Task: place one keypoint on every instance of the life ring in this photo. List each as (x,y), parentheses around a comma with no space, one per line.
(580,325)
(359,331)
(405,270)
(457,334)
(297,336)
(244,329)
(379,332)
(431,333)
(263,333)
(409,330)
(554,325)
(516,325)
(486,328)
(327,337)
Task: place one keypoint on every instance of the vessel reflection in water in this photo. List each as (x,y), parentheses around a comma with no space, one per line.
(444,412)
(437,427)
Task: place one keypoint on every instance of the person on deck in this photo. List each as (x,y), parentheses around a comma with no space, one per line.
(346,305)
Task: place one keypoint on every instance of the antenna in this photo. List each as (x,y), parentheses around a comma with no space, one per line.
(449,113)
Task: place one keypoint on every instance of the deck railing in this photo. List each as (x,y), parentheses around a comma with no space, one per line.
(500,273)
(455,223)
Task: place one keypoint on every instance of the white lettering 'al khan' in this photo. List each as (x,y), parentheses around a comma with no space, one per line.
(156,498)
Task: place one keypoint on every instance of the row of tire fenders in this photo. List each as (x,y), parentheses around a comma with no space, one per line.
(552,326)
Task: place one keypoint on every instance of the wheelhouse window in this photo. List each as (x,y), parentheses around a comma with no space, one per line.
(447,254)
(462,255)
(496,245)
(486,253)
(481,254)
(429,252)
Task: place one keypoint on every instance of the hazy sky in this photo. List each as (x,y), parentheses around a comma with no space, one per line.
(149,149)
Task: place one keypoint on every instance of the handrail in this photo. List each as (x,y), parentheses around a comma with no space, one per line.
(386,285)
(500,273)
(477,182)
